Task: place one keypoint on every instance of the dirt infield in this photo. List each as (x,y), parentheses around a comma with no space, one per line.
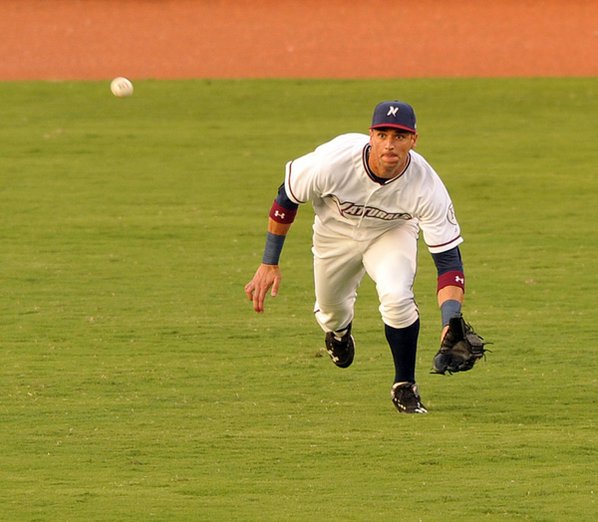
(98,39)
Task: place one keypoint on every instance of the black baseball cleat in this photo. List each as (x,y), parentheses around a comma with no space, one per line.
(406,398)
(341,349)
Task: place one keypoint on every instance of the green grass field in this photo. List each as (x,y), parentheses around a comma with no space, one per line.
(138,384)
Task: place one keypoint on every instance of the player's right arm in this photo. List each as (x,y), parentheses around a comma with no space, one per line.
(268,275)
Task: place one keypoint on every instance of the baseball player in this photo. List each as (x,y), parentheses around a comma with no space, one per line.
(371,195)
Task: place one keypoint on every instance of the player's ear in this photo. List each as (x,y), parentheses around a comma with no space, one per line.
(415,136)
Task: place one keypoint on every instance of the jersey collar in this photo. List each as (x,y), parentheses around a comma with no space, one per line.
(377,179)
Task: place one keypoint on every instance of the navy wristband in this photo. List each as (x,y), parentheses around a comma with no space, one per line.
(273,248)
(449,309)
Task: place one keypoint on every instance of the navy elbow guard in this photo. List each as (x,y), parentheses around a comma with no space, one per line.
(283,208)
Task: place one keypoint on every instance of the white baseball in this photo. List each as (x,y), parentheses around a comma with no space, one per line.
(121,87)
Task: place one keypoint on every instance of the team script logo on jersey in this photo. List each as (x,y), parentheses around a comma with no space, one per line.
(347,208)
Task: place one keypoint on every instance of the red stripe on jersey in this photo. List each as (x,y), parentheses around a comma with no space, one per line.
(281,214)
(446,243)
(452,278)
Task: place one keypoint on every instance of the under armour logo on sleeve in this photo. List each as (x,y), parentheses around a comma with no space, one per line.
(281,214)
(451,278)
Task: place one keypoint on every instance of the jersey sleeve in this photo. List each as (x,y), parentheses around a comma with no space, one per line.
(438,222)
(301,178)
(315,174)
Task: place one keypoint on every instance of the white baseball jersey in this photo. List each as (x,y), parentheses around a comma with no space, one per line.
(348,202)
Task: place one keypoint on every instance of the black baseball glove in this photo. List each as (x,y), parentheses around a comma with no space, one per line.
(461,347)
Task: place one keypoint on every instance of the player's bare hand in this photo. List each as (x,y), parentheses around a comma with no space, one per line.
(266,277)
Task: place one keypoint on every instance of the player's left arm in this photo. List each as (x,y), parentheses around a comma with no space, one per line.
(451,284)
(460,345)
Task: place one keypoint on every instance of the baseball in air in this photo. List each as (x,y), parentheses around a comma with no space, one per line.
(121,87)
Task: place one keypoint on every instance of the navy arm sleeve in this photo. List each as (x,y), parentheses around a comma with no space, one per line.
(449,261)
(283,209)
(283,200)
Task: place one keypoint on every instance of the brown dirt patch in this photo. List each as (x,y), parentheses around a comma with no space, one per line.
(98,39)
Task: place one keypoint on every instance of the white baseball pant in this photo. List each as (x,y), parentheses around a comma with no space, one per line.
(340,264)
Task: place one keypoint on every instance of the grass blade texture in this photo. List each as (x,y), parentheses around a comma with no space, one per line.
(138,384)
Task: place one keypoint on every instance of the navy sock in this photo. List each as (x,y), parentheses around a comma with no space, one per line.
(403,345)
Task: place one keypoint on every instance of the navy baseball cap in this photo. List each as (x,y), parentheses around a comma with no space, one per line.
(394,114)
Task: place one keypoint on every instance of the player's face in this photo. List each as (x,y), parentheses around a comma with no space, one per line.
(390,149)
